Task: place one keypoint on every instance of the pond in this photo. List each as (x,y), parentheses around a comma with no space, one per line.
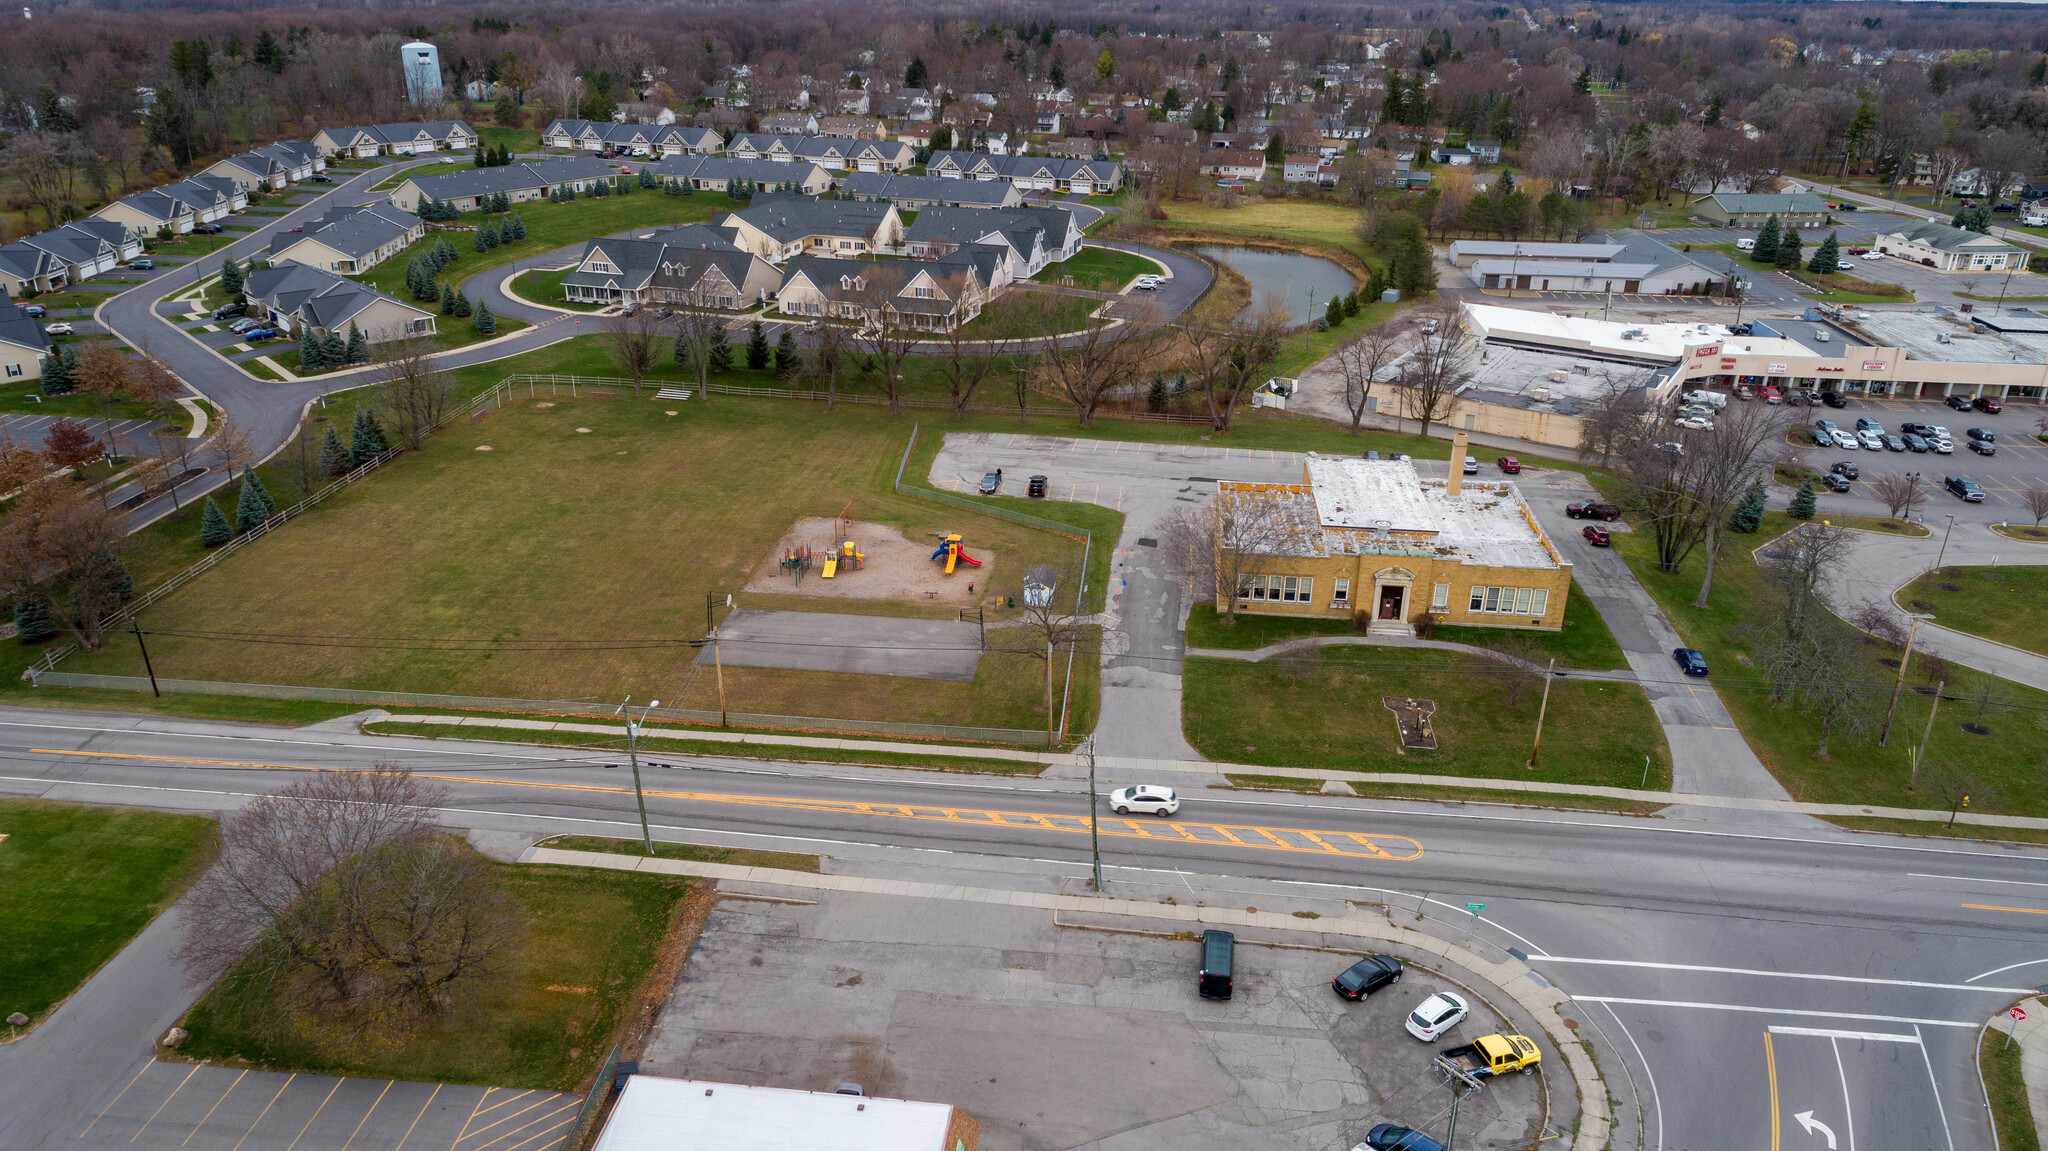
(1308,282)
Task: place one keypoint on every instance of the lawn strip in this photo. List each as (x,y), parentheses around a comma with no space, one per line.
(652,743)
(734,856)
(1537,799)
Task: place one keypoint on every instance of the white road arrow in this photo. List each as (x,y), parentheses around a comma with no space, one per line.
(1811,1124)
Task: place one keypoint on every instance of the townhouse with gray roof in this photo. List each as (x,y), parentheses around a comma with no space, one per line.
(638,139)
(396,139)
(834,153)
(82,252)
(777,228)
(24,269)
(147,213)
(1030,173)
(921,295)
(521,183)
(718,173)
(694,266)
(300,296)
(915,193)
(1033,237)
(1947,249)
(254,171)
(24,345)
(1751,209)
(211,198)
(350,240)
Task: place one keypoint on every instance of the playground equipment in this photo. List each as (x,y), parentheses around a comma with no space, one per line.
(849,557)
(797,561)
(951,552)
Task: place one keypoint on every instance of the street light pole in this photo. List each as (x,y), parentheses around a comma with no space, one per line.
(1542,710)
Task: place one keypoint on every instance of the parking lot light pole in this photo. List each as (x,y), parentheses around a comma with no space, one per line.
(1943,553)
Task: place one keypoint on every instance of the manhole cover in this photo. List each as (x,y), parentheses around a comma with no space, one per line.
(1148,542)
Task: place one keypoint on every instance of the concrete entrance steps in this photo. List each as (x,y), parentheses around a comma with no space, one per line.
(1391,627)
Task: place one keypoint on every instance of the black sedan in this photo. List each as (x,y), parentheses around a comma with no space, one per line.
(1367,976)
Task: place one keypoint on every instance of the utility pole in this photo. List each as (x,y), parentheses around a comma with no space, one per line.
(1461,1083)
(1944,543)
(1541,711)
(1899,684)
(137,625)
(1094,813)
(1310,326)
(633,757)
(718,662)
(1913,780)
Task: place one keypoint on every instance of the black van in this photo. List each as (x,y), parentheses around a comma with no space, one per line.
(1219,950)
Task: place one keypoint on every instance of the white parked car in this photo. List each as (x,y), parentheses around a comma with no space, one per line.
(1696,423)
(60,329)
(1873,255)
(1844,266)
(1845,440)
(1436,1015)
(1160,801)
(1871,441)
(1147,283)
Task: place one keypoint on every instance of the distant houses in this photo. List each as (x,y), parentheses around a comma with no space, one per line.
(1750,210)
(1030,173)
(918,192)
(396,139)
(834,153)
(634,139)
(298,296)
(694,266)
(720,173)
(519,183)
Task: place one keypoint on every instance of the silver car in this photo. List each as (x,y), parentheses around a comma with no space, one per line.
(1871,441)
(1436,1015)
(1845,440)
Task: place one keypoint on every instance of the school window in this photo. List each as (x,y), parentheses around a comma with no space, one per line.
(1442,598)
(1342,593)
(1287,589)
(1493,599)
(1539,601)
(1522,601)
(1478,599)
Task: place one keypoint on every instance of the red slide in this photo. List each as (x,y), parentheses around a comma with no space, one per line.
(969,560)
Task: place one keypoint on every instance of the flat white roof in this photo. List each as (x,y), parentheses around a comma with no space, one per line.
(1668,342)
(658,1114)
(1486,523)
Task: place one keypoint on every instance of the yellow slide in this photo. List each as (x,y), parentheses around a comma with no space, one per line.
(831,565)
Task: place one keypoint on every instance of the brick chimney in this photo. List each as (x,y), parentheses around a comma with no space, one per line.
(1456,483)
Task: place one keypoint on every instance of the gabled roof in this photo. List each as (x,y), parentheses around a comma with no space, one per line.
(1754,202)
(1010,167)
(787,218)
(353,231)
(697,236)
(102,231)
(777,172)
(289,153)
(1637,248)
(523,176)
(636,261)
(258,164)
(158,206)
(1017,228)
(71,247)
(23,262)
(686,268)
(19,330)
(889,186)
(686,135)
(199,196)
(1943,238)
(314,295)
(436,130)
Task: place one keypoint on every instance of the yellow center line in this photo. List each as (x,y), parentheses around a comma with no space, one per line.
(1996,907)
(216,1106)
(1399,849)
(1771,1065)
(166,1103)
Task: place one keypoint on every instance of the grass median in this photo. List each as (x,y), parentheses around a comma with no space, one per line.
(688,852)
(2008,603)
(76,884)
(1998,1061)
(1428,792)
(653,743)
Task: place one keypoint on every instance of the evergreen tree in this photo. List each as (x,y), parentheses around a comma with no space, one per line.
(333,349)
(486,323)
(358,346)
(1766,250)
(721,352)
(600,188)
(1976,220)
(255,504)
(646,177)
(1803,502)
(757,349)
(230,277)
(214,528)
(622,186)
(447,300)
(518,228)
(1826,258)
(365,438)
(56,377)
(788,361)
(312,356)
(1748,515)
(106,569)
(32,622)
(462,309)
(477,243)
(568,194)
(334,459)
(1788,250)
(491,236)
(1351,305)
(1334,315)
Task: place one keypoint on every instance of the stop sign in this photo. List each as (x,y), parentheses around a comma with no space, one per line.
(2018,1013)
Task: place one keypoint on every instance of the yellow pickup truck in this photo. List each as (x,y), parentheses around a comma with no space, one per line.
(1496,1055)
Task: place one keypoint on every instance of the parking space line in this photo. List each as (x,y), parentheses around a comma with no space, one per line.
(531,1124)
(464,1133)
(366,1115)
(316,1113)
(503,1102)
(544,1134)
(478,1133)
(265,1111)
(416,1119)
(166,1103)
(216,1106)
(116,1098)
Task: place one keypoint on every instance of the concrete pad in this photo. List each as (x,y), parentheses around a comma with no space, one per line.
(853,644)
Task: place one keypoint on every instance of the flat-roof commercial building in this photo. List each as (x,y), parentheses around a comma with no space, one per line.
(659,1114)
(1373,536)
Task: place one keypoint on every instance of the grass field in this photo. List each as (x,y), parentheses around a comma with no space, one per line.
(1327,713)
(517,139)
(451,332)
(590,938)
(76,884)
(620,532)
(545,287)
(2006,757)
(1998,1060)
(2007,603)
(1304,220)
(78,406)
(1584,643)
(736,856)
(1097,269)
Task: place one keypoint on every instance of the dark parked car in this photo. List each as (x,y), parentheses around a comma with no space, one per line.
(1959,403)
(1984,447)
(1964,489)
(1846,470)
(1989,404)
(1985,434)
(1835,483)
(1217,977)
(1592,510)
(1510,465)
(1597,536)
(1892,443)
(1036,488)
(1868,424)
(226,310)
(206,229)
(34,311)
(1914,443)
(144,264)
(1367,976)
(1821,439)
(1833,400)
(1912,428)
(1388,1137)
(322,178)
(1689,661)
(992,482)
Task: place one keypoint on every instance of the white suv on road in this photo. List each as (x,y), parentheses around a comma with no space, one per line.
(1160,801)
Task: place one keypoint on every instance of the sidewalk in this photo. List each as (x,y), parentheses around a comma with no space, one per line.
(1529,990)
(1134,767)
(2031,1034)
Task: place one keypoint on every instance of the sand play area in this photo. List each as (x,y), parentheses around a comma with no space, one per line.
(896,568)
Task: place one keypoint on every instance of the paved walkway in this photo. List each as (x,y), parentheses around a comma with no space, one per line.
(2031,1034)
(1273,649)
(1881,565)
(1515,979)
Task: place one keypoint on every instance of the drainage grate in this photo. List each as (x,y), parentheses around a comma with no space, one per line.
(1148,542)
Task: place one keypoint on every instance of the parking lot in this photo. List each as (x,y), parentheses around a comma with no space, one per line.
(1058,1036)
(2021,462)
(29,431)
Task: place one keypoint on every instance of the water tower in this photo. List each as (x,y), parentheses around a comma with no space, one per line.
(422,63)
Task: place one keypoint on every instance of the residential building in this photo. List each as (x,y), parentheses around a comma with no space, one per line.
(1947,249)
(932,296)
(396,139)
(126,244)
(1464,252)
(1030,173)
(1750,210)
(300,160)
(23,346)
(82,252)
(300,296)
(521,183)
(1374,537)
(651,1110)
(914,193)
(254,171)
(1235,165)
(1031,237)
(25,269)
(1301,169)
(833,153)
(917,133)
(790,124)
(638,139)
(349,240)
(146,213)
(211,198)
(1484,151)
(777,228)
(714,278)
(852,127)
(717,173)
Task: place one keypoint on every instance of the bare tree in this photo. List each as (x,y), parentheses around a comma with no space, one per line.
(45,166)
(341,897)
(1048,626)
(413,390)
(1617,424)
(633,343)
(967,363)
(1226,363)
(562,87)
(1730,460)
(1900,492)
(885,333)
(1083,367)
(59,545)
(1359,362)
(230,445)
(1436,367)
(1248,527)
(1880,620)
(830,346)
(1955,787)
(1795,568)
(106,375)
(699,329)
(1832,687)
(2035,500)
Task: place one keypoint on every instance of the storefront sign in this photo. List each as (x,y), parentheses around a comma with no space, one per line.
(1706,350)
(1831,369)
(1873,365)
(1777,369)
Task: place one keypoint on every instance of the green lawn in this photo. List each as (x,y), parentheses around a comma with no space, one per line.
(400,175)
(590,938)
(453,332)
(545,287)
(517,139)
(651,741)
(452,542)
(2008,603)
(1308,221)
(736,856)
(1326,713)
(69,299)
(76,884)
(1098,269)
(1998,1059)
(2006,757)
(1584,643)
(78,406)
(550,226)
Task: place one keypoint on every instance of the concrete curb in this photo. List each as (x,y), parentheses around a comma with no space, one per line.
(2032,1035)
(1529,990)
